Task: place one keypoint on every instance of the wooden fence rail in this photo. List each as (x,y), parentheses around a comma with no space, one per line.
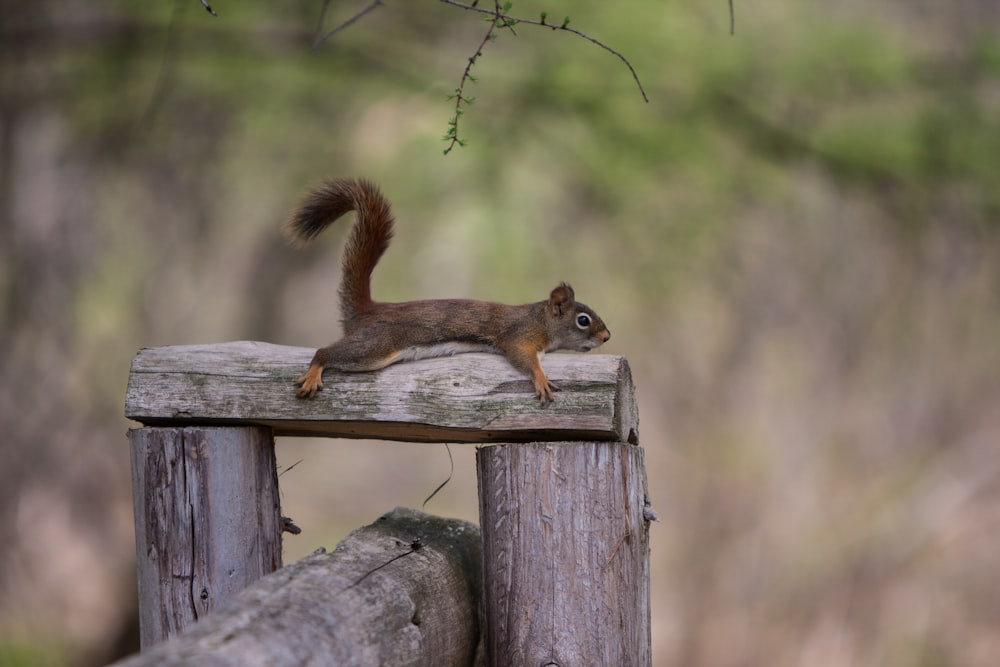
(562,491)
(374,600)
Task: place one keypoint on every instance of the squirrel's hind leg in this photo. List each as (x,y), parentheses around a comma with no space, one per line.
(351,354)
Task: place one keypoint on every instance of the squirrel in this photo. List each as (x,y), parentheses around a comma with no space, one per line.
(379,334)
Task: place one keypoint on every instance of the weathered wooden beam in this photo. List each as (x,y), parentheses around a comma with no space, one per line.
(466,398)
(207,520)
(565,554)
(401,591)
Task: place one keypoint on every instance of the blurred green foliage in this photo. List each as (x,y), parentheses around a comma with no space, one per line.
(29,655)
(795,242)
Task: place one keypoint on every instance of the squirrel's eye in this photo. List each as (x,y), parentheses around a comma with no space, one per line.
(583,320)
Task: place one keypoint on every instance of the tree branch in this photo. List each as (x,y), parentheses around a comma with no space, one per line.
(498,18)
(501,19)
(318,42)
(460,98)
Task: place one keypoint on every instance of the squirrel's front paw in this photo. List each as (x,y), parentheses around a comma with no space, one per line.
(310,383)
(544,390)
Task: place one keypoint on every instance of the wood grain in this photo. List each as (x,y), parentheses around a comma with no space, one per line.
(375,600)
(565,554)
(466,398)
(207,520)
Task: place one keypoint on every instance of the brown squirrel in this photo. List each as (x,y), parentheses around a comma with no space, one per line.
(379,334)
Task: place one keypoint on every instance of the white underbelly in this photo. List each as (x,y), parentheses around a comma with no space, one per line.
(439,350)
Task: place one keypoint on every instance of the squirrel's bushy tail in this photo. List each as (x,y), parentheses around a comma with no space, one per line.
(369,238)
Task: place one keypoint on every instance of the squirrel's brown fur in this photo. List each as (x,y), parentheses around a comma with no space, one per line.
(379,334)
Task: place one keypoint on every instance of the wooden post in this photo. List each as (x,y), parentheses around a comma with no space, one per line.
(565,554)
(207,520)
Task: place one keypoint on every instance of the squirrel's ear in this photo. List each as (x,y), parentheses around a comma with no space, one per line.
(561,299)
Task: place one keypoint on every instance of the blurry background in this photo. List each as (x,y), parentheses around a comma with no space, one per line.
(796,243)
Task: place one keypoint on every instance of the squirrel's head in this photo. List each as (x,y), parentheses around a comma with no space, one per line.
(573,325)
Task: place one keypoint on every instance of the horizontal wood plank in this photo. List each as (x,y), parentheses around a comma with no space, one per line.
(465,398)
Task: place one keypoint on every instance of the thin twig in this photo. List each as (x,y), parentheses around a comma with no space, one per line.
(415,546)
(318,42)
(322,19)
(208,7)
(460,98)
(732,19)
(441,485)
(500,15)
(498,12)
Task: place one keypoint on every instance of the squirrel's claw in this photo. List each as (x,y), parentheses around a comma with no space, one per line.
(310,383)
(544,390)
